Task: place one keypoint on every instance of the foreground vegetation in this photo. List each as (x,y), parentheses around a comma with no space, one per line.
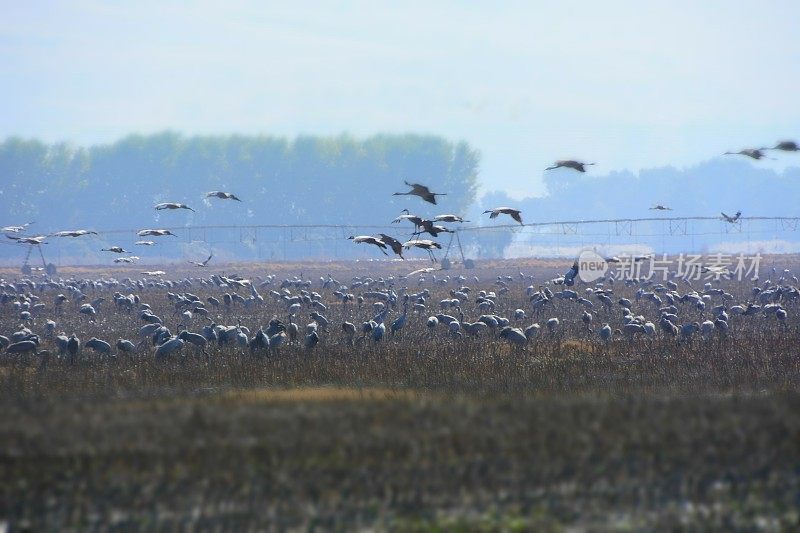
(665,443)
(420,431)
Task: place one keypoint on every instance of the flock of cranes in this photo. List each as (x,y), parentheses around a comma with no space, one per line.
(760,153)
(383,241)
(421,225)
(190,313)
(433,227)
(386,242)
(13,231)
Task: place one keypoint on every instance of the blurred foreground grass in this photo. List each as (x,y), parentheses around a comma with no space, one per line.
(344,458)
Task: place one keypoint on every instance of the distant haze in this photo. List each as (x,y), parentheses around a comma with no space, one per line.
(630,85)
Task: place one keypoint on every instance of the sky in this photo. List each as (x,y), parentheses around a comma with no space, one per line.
(625,84)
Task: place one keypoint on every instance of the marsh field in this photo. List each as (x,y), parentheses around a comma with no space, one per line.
(419,429)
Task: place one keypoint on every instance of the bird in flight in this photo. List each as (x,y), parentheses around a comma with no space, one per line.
(786,146)
(516,214)
(433,229)
(422,191)
(39,239)
(731,219)
(16,229)
(414,219)
(154,233)
(659,207)
(131,259)
(172,205)
(369,239)
(448,218)
(420,271)
(73,233)
(145,243)
(115,249)
(754,153)
(202,263)
(222,195)
(425,244)
(394,244)
(153,272)
(570,163)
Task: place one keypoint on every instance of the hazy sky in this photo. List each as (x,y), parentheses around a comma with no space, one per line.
(626,84)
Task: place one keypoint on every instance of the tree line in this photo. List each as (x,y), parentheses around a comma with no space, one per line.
(305,180)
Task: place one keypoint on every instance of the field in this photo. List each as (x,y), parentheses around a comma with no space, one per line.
(421,430)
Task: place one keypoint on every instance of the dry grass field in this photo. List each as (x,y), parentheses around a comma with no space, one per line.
(420,431)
